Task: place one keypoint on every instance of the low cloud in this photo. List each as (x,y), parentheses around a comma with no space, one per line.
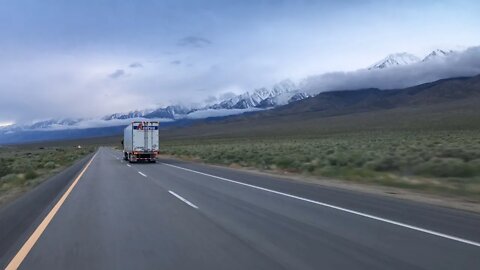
(210,100)
(218,113)
(459,64)
(227,95)
(193,41)
(135,65)
(117,74)
(95,123)
(176,62)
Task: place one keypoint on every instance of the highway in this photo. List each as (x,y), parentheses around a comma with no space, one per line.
(182,215)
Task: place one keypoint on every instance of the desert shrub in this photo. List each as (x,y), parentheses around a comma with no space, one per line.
(402,159)
(49,165)
(475,165)
(388,163)
(31,174)
(12,180)
(446,167)
(21,165)
(284,162)
(466,155)
(4,169)
(338,159)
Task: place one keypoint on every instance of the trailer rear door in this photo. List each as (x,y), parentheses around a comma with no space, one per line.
(145,136)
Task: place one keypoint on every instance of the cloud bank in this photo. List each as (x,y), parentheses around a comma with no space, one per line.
(96,123)
(218,113)
(459,64)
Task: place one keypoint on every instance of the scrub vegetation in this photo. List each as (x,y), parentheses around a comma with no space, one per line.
(24,167)
(446,162)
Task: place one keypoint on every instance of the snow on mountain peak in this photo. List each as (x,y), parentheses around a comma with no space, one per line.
(128,115)
(396,59)
(260,97)
(435,54)
(284,87)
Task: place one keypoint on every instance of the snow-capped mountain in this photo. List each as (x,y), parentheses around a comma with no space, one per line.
(396,59)
(282,99)
(438,53)
(282,93)
(170,112)
(54,122)
(128,115)
(279,94)
(403,59)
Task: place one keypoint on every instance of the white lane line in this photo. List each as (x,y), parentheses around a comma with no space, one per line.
(129,165)
(454,238)
(142,174)
(183,199)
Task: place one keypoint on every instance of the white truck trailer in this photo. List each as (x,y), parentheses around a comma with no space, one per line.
(141,141)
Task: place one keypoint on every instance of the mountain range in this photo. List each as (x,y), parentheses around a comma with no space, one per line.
(283,93)
(448,104)
(402,59)
(279,94)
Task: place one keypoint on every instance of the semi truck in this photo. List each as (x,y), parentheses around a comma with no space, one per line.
(141,141)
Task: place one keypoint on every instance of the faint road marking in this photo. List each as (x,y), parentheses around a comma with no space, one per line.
(142,174)
(23,252)
(183,199)
(129,165)
(454,238)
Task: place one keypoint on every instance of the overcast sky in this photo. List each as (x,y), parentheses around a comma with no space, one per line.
(89,58)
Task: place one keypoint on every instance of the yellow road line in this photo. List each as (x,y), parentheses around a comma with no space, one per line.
(23,252)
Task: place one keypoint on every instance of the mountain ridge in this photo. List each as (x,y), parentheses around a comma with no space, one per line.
(454,98)
(404,59)
(280,94)
(452,103)
(262,98)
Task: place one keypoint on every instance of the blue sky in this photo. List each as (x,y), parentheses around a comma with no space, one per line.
(88,58)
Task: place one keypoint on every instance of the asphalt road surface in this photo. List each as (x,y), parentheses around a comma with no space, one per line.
(179,215)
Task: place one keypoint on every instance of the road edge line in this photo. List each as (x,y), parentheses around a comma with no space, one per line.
(389,221)
(28,245)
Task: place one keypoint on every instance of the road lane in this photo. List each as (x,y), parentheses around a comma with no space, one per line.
(453,222)
(350,211)
(322,236)
(116,218)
